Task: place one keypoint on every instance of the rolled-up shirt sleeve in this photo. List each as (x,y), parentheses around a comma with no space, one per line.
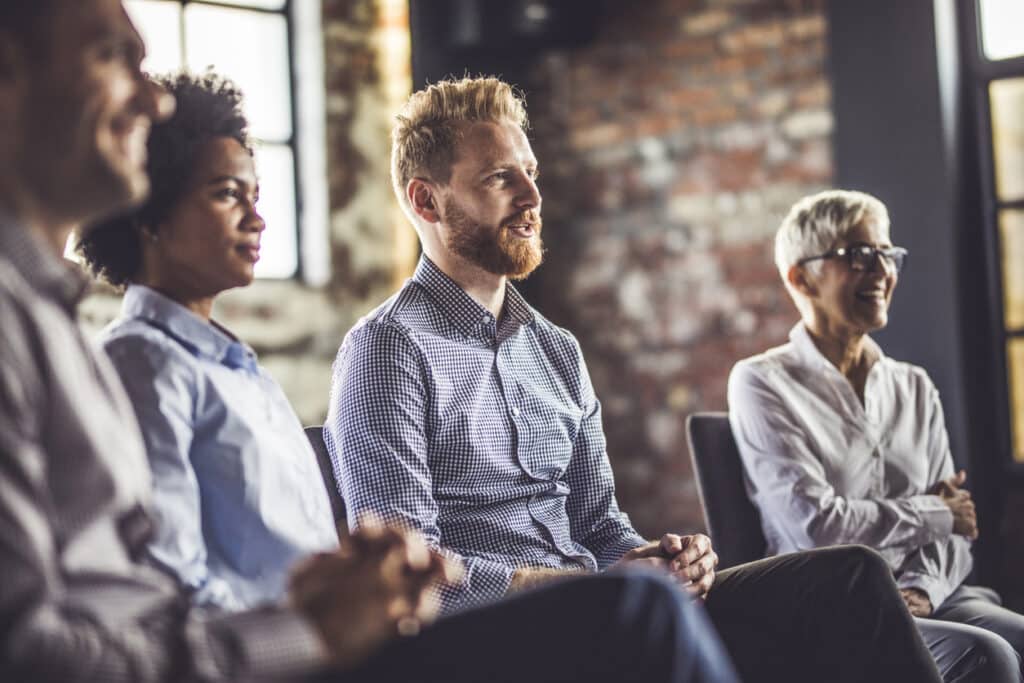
(594,515)
(937,568)
(162,392)
(792,489)
(377,435)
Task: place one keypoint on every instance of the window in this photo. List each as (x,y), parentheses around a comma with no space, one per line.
(251,42)
(999,72)
(1001,22)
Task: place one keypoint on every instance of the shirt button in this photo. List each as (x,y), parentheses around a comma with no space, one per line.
(515,411)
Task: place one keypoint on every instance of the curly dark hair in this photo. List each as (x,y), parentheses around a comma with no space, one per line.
(208,106)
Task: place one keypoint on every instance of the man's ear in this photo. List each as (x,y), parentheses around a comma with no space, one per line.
(422,196)
(798,279)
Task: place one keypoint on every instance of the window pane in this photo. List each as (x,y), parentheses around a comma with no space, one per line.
(1007,101)
(1001,22)
(1015,363)
(159,24)
(279,250)
(1011,229)
(250,48)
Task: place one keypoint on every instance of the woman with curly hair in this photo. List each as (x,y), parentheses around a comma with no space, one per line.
(238,494)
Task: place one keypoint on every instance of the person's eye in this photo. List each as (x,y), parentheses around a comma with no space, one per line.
(534,174)
(499,177)
(114,51)
(109,52)
(227,193)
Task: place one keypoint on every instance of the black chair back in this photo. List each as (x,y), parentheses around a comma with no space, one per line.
(323,459)
(733,522)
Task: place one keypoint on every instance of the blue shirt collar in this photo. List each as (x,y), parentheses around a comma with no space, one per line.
(468,316)
(205,340)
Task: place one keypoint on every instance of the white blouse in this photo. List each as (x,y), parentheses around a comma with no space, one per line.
(823,469)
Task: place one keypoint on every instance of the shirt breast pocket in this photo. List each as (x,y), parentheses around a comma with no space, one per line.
(551,434)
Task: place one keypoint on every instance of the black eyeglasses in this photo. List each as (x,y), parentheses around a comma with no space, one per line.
(864,256)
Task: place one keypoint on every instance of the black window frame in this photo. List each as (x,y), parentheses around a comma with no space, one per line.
(980,72)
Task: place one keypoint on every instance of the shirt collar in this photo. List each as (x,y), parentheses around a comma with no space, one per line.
(468,316)
(809,353)
(203,339)
(47,273)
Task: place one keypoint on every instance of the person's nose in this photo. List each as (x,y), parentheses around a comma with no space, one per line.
(883,265)
(253,221)
(154,101)
(529,194)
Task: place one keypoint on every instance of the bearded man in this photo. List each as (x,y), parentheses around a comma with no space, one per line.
(461,412)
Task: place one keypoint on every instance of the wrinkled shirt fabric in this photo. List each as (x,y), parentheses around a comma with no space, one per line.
(483,434)
(238,497)
(825,469)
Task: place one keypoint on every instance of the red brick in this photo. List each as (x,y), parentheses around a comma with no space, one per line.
(601,135)
(687,98)
(811,26)
(708,279)
(688,48)
(716,115)
(816,95)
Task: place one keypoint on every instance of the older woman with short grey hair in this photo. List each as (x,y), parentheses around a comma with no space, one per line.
(842,444)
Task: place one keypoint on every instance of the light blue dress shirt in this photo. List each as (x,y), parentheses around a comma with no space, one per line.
(238,496)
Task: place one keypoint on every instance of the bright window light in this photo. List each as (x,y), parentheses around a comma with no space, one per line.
(1002,28)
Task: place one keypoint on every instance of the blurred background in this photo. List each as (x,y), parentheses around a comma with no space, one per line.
(672,137)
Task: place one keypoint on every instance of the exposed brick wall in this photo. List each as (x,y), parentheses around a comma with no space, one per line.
(373,247)
(669,149)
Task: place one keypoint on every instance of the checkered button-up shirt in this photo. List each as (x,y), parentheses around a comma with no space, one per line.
(483,434)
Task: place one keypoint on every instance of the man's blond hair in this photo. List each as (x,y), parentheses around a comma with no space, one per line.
(428,128)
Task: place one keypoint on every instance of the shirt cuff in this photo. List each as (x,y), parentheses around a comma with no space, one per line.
(611,553)
(484,581)
(271,642)
(937,589)
(936,517)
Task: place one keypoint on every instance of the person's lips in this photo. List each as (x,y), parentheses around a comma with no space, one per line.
(875,295)
(251,252)
(523,230)
(129,135)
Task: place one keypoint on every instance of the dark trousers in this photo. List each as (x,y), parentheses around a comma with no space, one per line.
(622,627)
(828,615)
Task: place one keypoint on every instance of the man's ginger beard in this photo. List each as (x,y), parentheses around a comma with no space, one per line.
(496,250)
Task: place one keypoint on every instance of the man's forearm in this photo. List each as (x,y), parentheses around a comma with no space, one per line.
(530,577)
